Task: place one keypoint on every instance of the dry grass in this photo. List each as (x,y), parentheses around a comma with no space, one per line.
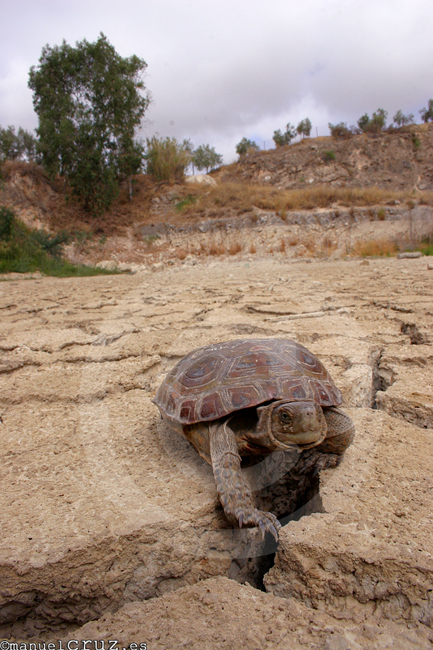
(181,253)
(376,248)
(235,248)
(242,197)
(306,245)
(309,242)
(425,198)
(328,245)
(216,249)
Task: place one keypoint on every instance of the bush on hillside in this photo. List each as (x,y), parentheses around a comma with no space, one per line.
(167,159)
(23,250)
(340,130)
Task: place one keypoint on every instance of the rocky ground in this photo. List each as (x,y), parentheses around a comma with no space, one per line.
(110,521)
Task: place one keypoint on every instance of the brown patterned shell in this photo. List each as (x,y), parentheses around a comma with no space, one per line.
(216,380)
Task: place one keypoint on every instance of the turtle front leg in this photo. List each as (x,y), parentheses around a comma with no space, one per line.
(233,491)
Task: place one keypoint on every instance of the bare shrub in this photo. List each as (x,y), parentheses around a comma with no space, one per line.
(216,248)
(235,248)
(181,253)
(327,245)
(309,241)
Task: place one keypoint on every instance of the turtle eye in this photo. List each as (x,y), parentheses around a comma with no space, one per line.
(284,417)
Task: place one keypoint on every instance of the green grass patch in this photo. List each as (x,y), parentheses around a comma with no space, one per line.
(23,250)
(150,239)
(328,156)
(188,200)
(426,248)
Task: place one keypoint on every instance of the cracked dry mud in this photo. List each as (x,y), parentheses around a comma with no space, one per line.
(102,507)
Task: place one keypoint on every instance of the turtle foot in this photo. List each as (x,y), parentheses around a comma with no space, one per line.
(266,521)
(315,461)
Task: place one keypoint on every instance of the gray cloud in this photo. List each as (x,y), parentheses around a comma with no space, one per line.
(221,71)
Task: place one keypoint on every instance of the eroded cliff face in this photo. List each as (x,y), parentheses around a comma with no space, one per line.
(394,161)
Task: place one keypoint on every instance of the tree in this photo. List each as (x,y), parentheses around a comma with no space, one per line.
(282,139)
(401,119)
(427,113)
(9,144)
(340,130)
(17,146)
(378,121)
(374,125)
(363,122)
(205,157)
(28,146)
(89,102)
(246,146)
(304,127)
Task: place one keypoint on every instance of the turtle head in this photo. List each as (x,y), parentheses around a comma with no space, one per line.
(288,423)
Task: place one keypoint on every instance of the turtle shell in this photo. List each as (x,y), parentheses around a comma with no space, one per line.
(214,381)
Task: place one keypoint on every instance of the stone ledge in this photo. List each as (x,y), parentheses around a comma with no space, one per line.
(372,545)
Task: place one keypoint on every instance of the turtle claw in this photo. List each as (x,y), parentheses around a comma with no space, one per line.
(269,524)
(265,521)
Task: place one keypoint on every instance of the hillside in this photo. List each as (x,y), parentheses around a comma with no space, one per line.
(393,161)
(284,201)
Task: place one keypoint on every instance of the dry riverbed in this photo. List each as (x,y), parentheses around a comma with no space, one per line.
(107,517)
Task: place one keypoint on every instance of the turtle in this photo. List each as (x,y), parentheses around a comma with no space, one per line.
(247,398)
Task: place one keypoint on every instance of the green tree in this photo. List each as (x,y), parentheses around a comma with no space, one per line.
(17,146)
(401,119)
(205,157)
(282,139)
(9,144)
(340,130)
(375,124)
(363,122)
(27,144)
(304,127)
(245,146)
(378,120)
(89,102)
(427,113)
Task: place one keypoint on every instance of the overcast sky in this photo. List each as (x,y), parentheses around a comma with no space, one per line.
(219,70)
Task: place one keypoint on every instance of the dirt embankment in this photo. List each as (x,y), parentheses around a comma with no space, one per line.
(332,182)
